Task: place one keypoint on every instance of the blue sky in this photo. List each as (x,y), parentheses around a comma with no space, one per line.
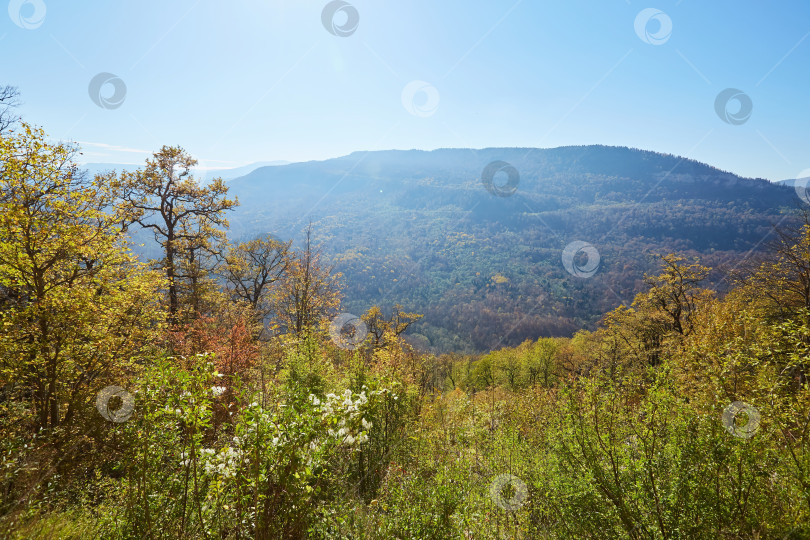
(248,80)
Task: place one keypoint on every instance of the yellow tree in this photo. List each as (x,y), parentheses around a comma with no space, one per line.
(665,313)
(76,306)
(384,330)
(675,293)
(184,216)
(541,361)
(251,268)
(200,245)
(309,292)
(780,277)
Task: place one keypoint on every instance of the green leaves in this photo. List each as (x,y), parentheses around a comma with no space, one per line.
(186,218)
(76,304)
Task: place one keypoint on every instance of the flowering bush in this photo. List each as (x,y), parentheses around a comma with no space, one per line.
(266,471)
(352,427)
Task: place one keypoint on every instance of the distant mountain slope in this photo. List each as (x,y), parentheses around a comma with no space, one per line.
(791,182)
(206,174)
(420,228)
(228,174)
(98,168)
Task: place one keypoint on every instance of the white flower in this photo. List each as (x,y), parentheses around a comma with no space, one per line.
(349,440)
(362,438)
(366,424)
(343,431)
(347,393)
(218,390)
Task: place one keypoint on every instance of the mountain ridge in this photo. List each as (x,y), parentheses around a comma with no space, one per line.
(420,228)
(529,150)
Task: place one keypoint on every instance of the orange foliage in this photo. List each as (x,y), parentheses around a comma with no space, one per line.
(229,336)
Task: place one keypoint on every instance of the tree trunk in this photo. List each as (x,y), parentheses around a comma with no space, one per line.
(170,274)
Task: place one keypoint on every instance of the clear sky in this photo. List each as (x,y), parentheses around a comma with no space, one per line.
(246,80)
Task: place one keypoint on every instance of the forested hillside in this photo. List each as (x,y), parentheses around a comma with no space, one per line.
(421,270)
(420,228)
(222,390)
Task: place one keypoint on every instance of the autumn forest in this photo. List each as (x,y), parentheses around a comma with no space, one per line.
(165,375)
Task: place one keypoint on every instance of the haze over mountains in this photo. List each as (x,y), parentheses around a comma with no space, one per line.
(203,172)
(485,266)
(484,263)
